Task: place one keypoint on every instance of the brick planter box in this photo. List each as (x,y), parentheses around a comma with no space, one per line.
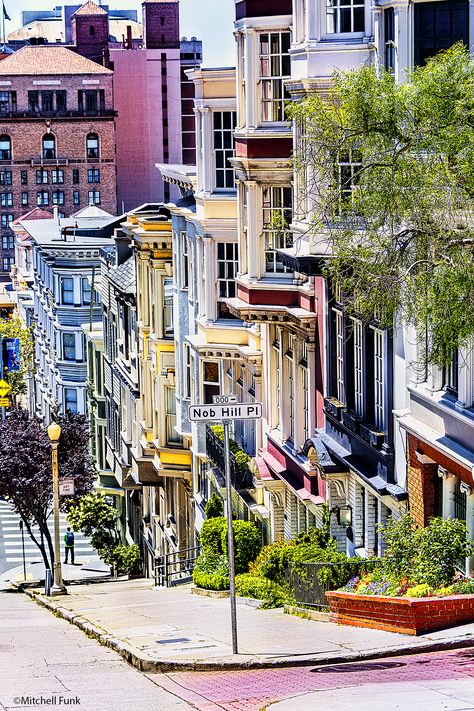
(409,615)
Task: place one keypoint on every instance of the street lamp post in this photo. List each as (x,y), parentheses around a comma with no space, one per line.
(58,587)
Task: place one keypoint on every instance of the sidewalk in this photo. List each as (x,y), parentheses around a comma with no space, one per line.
(91,567)
(159,629)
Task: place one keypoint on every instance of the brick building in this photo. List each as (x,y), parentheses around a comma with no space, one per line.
(57,140)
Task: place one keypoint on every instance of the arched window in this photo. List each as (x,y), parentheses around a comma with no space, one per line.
(49,146)
(5,148)
(92,145)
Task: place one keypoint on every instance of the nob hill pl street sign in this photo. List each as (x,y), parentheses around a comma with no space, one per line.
(230,411)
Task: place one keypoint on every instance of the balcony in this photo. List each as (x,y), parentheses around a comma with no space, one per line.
(42,115)
(240,475)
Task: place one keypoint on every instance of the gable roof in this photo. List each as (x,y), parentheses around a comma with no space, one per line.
(90,8)
(46,60)
(37,213)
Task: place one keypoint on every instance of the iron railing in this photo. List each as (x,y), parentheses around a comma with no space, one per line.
(240,475)
(175,568)
(309,582)
(171,568)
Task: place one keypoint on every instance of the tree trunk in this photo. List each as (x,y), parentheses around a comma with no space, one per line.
(43,526)
(39,544)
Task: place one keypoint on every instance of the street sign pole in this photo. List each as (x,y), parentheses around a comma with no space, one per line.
(230,536)
(226,409)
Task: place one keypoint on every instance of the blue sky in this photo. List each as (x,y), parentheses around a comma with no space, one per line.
(209,20)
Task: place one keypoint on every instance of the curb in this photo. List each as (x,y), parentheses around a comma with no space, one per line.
(149,665)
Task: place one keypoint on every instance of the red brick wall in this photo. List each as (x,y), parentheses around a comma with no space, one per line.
(161,25)
(91,44)
(70,132)
(421,484)
(407,615)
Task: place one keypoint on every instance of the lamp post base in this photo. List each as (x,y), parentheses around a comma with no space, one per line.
(58,590)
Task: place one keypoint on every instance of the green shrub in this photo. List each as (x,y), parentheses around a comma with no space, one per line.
(211,572)
(255,586)
(247,543)
(127,559)
(211,535)
(214,507)
(425,555)
(439,547)
(272,560)
(272,594)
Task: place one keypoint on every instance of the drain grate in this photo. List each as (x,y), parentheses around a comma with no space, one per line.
(176,640)
(358,667)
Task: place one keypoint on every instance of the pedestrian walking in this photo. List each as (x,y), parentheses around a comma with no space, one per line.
(69,545)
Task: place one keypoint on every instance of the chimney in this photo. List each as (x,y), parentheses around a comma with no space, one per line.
(56,213)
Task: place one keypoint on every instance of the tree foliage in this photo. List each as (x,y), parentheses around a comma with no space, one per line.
(13,328)
(25,469)
(399,221)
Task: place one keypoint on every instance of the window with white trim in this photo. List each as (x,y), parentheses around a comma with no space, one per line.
(168,326)
(6,199)
(7,219)
(277,216)
(42,197)
(69,346)
(94,197)
(187,371)
(290,372)
(173,439)
(278,374)
(57,197)
(184,261)
(57,176)
(8,241)
(339,338)
(379,384)
(345,16)
(67,290)
(224,123)
(358,360)
(70,399)
(304,364)
(227,266)
(347,170)
(274,69)
(211,380)
(7,263)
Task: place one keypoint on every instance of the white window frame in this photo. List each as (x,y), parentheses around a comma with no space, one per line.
(219,137)
(273,94)
(291,375)
(379,379)
(65,390)
(304,365)
(184,261)
(62,291)
(339,339)
(227,268)
(274,209)
(72,336)
(187,372)
(335,9)
(358,335)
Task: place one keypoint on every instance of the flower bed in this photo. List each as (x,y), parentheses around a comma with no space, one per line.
(409,615)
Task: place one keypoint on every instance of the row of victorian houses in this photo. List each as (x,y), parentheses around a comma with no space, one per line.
(222,292)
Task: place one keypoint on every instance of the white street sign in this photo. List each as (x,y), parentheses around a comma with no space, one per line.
(233,411)
(66,487)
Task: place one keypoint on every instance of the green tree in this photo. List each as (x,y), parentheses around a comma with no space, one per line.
(13,328)
(389,169)
(97,519)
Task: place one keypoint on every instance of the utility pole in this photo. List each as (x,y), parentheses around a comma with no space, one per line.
(58,588)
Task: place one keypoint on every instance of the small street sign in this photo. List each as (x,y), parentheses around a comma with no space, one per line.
(232,411)
(4,388)
(66,487)
(223,399)
(4,402)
